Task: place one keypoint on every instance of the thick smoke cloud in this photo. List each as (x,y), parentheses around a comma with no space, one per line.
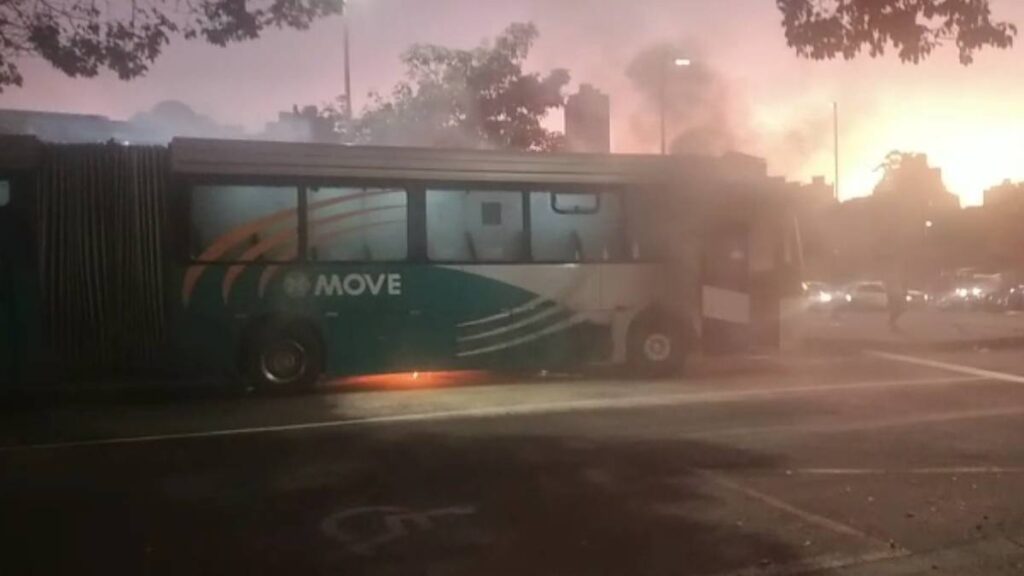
(700,115)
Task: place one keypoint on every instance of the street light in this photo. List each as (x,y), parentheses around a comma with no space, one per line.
(678,63)
(348,76)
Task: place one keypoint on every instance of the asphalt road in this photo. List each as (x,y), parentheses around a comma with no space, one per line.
(853,465)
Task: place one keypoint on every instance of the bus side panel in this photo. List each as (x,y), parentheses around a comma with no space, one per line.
(555,321)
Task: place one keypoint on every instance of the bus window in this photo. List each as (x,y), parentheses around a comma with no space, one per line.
(576,227)
(244,223)
(576,203)
(5,193)
(357,224)
(647,229)
(475,226)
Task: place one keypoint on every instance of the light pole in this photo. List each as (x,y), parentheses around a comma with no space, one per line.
(677,63)
(348,73)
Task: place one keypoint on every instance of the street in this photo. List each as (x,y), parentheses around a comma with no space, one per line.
(857,464)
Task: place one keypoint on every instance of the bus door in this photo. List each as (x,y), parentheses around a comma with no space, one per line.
(7,305)
(18,305)
(477,254)
(725,288)
(357,253)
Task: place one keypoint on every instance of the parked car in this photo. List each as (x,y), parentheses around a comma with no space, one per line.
(820,295)
(917,298)
(866,295)
(1007,298)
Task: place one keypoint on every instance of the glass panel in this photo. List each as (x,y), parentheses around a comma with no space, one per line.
(244,223)
(576,203)
(576,237)
(475,226)
(5,193)
(645,227)
(357,224)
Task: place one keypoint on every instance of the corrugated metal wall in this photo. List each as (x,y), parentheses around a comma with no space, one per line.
(100,215)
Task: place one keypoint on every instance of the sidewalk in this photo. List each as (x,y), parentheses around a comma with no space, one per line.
(923,328)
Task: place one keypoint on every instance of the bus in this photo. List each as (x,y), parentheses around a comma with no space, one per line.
(280,263)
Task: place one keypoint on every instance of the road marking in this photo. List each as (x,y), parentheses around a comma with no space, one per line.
(942,471)
(772,501)
(817,564)
(624,403)
(980,372)
(365,529)
(828,428)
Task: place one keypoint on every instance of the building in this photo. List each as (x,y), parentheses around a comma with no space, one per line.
(588,121)
(1005,195)
(165,121)
(60,127)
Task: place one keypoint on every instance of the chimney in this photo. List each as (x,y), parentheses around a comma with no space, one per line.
(588,121)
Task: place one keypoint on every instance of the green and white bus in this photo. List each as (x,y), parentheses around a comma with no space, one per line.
(281,262)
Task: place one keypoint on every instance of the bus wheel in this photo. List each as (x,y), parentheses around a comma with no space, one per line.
(655,349)
(285,357)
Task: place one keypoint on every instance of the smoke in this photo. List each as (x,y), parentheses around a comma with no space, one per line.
(707,114)
(702,113)
(172,118)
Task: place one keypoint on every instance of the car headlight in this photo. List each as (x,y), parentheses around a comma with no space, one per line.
(961,292)
(910,298)
(849,298)
(976,291)
(824,297)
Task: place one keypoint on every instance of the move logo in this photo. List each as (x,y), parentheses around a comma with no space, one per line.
(358,285)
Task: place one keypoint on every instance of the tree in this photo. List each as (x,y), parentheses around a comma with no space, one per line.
(82,37)
(825,29)
(907,176)
(478,98)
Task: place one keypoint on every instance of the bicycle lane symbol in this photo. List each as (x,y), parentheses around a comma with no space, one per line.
(365,529)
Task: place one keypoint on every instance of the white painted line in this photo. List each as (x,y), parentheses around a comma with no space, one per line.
(817,564)
(809,517)
(622,403)
(832,428)
(960,368)
(939,471)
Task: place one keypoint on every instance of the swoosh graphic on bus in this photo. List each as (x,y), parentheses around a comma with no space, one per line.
(285,237)
(536,302)
(552,329)
(569,290)
(240,234)
(270,271)
(513,326)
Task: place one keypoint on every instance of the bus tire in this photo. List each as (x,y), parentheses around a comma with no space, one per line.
(284,356)
(655,348)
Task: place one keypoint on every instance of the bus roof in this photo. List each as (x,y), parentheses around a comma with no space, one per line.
(274,159)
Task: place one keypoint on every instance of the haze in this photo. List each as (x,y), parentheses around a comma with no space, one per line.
(966,119)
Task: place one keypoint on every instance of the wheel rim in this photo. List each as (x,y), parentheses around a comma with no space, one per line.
(657,347)
(283,362)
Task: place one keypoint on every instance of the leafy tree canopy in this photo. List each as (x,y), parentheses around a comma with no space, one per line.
(825,29)
(478,98)
(84,37)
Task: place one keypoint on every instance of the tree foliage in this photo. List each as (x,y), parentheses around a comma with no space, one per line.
(84,37)
(825,29)
(478,98)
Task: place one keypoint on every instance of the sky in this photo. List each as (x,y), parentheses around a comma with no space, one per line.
(968,120)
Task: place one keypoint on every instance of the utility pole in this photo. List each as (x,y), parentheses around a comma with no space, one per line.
(678,63)
(835,147)
(661,105)
(348,74)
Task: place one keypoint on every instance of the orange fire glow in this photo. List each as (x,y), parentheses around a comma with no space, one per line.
(415,379)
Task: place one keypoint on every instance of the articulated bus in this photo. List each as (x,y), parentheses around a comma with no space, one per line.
(278,263)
